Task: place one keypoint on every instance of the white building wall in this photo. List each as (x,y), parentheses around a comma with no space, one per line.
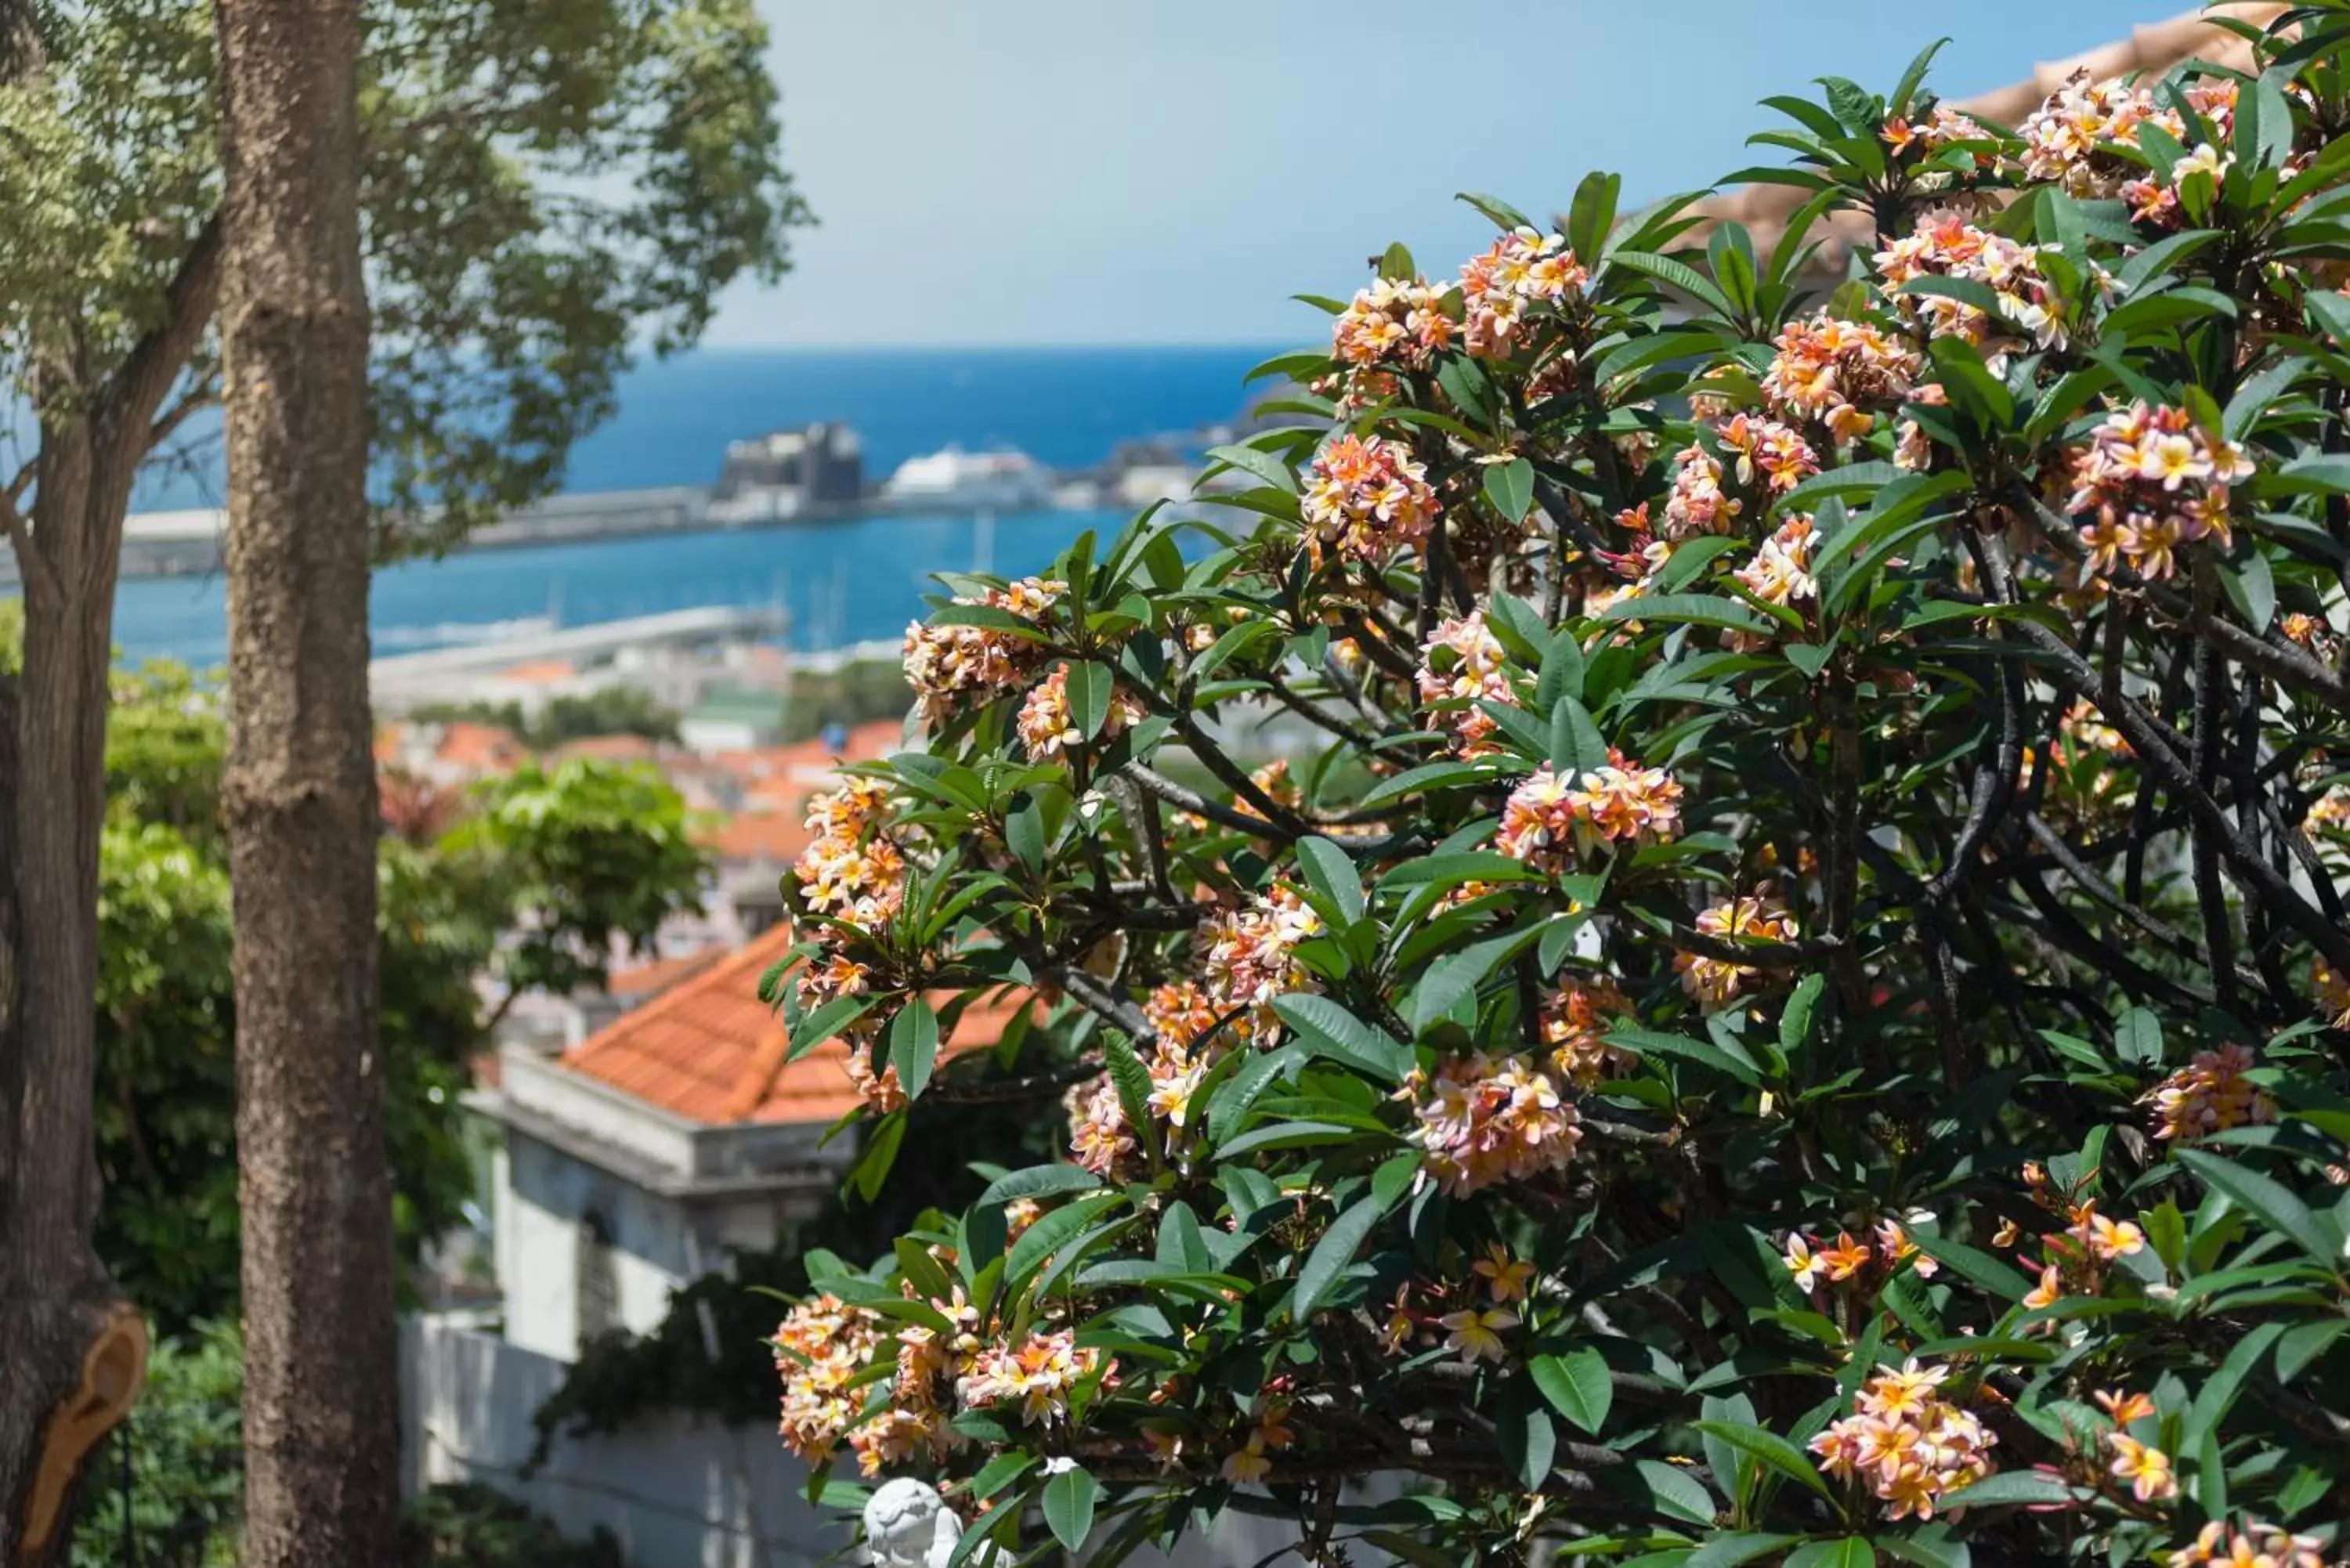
(544,1198)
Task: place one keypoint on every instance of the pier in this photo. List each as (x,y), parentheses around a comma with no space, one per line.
(189,543)
(454,674)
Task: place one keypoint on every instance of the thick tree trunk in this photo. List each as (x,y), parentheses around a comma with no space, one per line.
(320,1402)
(57,1302)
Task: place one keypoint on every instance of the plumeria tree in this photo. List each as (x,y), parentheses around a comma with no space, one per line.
(1788,1001)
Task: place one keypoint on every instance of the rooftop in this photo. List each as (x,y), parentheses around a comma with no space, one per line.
(708,1050)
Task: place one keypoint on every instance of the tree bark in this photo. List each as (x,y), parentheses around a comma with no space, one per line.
(320,1402)
(75,1348)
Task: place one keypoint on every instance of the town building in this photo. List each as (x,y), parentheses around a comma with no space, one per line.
(790,473)
(669,1141)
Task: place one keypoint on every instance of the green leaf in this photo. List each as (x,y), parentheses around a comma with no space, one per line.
(2137,1036)
(1728,1551)
(881,1146)
(1052,1231)
(2165,1231)
(1329,1030)
(1852,1552)
(1912,78)
(2304,1344)
(1510,486)
(1456,975)
(1930,1547)
(1591,216)
(1693,609)
(1329,872)
(1561,674)
(1654,1043)
(1577,1386)
(914,1262)
(1498,211)
(999,1472)
(1678,275)
(1676,1491)
(1023,830)
(2220,1390)
(1039,1181)
(914,1046)
(1332,1253)
(1070,1506)
(2252,588)
(1090,687)
(1528,1442)
(1771,1449)
(1795,1018)
(2029,1487)
(1231,645)
(2268,1199)
(1257,462)
(1132,1081)
(1576,745)
(813,1029)
(2328,472)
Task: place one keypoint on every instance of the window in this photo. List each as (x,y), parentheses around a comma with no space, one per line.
(594,1292)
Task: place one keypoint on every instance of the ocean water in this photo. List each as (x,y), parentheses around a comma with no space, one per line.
(839,582)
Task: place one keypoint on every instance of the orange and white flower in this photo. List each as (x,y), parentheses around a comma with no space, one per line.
(1714,983)
(1487,1118)
(1910,1446)
(1367,498)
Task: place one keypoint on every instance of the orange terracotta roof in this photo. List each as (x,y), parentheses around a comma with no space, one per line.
(2150,49)
(611,749)
(708,1050)
(479,748)
(773,836)
(810,760)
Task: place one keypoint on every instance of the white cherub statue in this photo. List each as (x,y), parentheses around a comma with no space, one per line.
(908,1525)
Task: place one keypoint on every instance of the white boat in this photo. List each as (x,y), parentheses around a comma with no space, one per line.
(960,481)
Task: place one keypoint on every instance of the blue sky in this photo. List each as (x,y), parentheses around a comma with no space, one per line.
(1012,171)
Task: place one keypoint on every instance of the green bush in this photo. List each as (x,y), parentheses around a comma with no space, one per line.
(186,1440)
(1825,1042)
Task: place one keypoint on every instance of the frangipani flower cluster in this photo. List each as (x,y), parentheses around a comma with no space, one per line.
(1489,1118)
(1463,663)
(1553,815)
(1715,982)
(1367,498)
(1908,1444)
(1841,373)
(1524,272)
(951,665)
(2211,1094)
(2150,482)
(1947,245)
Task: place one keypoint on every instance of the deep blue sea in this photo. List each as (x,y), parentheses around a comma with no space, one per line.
(841,582)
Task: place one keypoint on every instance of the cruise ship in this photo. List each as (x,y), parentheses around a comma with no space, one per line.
(963,481)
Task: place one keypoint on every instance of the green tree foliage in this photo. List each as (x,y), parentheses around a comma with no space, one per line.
(542,870)
(186,1465)
(186,1490)
(585,859)
(858,692)
(1798,1009)
(546,190)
